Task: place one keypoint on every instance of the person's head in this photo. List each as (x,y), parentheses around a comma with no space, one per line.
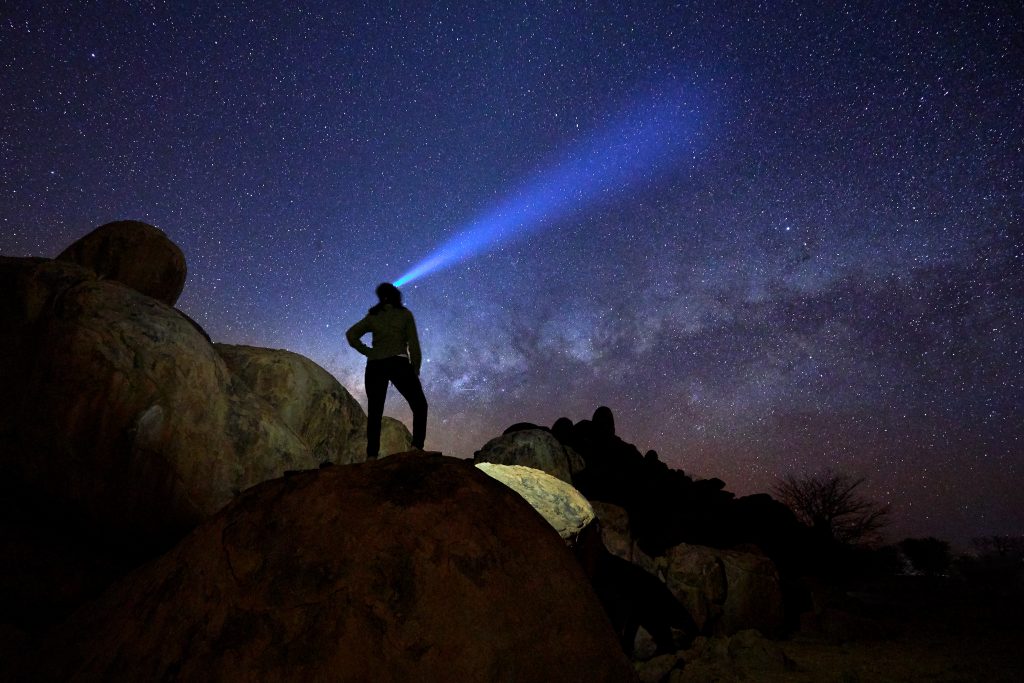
(387,293)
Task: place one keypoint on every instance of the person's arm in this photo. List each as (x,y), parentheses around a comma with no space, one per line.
(415,356)
(354,336)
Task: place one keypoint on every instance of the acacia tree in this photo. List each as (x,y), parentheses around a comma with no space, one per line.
(830,504)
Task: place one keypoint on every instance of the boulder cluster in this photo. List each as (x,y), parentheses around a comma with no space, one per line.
(678,560)
(117,405)
(179,509)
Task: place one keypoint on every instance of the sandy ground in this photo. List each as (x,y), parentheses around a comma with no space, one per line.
(895,629)
(913,629)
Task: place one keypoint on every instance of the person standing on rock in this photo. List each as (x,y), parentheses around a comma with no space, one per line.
(394,357)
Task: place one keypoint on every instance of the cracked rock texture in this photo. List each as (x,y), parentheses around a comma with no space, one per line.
(564,508)
(395,437)
(726,591)
(306,397)
(417,567)
(312,403)
(115,405)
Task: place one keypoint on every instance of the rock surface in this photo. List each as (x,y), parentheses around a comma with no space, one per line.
(746,656)
(535,448)
(135,254)
(725,591)
(395,437)
(312,403)
(306,397)
(655,669)
(112,402)
(564,508)
(410,568)
(615,530)
(755,598)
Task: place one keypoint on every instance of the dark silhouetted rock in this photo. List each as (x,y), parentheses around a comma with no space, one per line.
(564,508)
(49,562)
(135,254)
(615,531)
(28,287)
(535,448)
(562,429)
(666,507)
(306,397)
(413,568)
(522,427)
(604,422)
(633,597)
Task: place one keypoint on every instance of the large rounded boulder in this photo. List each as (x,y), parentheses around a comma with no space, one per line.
(113,405)
(135,254)
(535,448)
(306,397)
(395,437)
(726,591)
(413,568)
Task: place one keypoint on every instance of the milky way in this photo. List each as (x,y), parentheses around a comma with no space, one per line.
(832,280)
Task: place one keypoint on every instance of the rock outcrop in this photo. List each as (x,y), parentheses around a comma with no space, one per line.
(726,591)
(615,530)
(115,405)
(564,508)
(535,448)
(410,568)
(135,254)
(745,656)
(122,428)
(306,397)
(634,598)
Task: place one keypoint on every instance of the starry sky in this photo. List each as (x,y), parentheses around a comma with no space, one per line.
(826,274)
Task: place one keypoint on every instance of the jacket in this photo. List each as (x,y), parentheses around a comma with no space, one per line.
(394,334)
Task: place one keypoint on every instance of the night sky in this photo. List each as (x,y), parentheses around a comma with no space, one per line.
(823,269)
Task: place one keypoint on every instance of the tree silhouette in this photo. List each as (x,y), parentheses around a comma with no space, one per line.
(831,506)
(1003,547)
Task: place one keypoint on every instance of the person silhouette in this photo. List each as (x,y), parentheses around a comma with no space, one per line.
(394,357)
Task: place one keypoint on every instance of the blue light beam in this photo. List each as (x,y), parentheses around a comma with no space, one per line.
(641,144)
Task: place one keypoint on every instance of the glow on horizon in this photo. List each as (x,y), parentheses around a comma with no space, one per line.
(645,141)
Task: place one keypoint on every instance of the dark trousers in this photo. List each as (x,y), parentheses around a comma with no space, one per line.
(398,371)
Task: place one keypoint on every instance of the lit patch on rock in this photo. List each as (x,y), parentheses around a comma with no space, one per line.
(560,504)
